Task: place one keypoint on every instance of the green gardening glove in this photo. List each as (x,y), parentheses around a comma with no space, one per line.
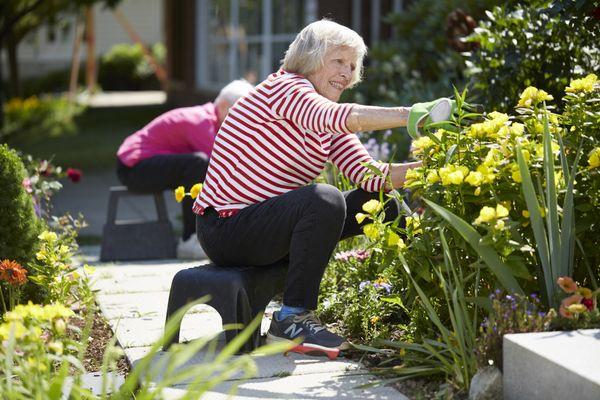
(425,113)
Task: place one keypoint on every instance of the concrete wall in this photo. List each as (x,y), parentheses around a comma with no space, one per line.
(38,54)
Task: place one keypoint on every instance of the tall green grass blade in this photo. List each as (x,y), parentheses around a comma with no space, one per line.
(553,229)
(537,225)
(568,223)
(486,252)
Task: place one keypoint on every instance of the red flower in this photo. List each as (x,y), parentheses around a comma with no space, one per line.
(12,272)
(589,303)
(74,174)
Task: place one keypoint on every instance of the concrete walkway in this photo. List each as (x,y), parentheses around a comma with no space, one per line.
(133,297)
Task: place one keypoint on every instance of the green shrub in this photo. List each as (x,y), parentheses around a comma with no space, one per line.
(125,67)
(31,119)
(540,43)
(20,226)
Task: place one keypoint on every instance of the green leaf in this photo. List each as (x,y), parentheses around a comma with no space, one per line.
(486,252)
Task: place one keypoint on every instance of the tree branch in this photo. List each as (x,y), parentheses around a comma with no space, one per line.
(12,21)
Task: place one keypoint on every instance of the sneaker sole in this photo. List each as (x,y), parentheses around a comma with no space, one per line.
(315,347)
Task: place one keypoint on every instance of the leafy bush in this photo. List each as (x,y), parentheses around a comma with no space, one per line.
(31,119)
(20,226)
(125,67)
(539,43)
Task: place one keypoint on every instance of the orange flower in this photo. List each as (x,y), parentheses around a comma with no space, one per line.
(574,299)
(12,272)
(567,284)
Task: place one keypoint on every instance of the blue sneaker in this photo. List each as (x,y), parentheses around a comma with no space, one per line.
(315,338)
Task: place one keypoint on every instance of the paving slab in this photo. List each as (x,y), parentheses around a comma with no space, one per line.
(552,365)
(144,331)
(312,386)
(277,365)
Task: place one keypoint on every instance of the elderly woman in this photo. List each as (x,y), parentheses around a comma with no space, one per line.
(258,205)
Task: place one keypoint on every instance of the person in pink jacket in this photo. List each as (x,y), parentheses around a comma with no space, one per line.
(173,150)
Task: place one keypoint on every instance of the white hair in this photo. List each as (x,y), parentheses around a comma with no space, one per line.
(233,91)
(306,53)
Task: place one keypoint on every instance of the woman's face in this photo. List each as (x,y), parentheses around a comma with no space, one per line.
(335,75)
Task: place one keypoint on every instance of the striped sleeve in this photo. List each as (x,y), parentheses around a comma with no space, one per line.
(300,104)
(348,154)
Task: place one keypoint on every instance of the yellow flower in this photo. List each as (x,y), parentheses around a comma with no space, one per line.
(474,178)
(421,144)
(48,236)
(15,328)
(499,225)
(411,176)
(501,211)
(372,206)
(414,223)
(89,270)
(56,347)
(532,96)
(371,231)
(392,238)
(585,292)
(585,85)
(477,191)
(179,193)
(40,255)
(516,173)
(195,190)
(487,173)
(594,158)
(525,213)
(453,174)
(517,129)
(486,214)
(401,245)
(577,308)
(432,177)
(374,319)
(360,217)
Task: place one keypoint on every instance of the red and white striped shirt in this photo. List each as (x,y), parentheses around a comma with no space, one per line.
(278,138)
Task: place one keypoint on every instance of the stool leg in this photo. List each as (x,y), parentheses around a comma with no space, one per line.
(177,300)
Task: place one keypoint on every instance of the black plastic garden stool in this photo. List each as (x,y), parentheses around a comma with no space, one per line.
(136,240)
(237,293)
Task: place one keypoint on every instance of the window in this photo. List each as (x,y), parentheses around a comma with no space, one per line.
(245,38)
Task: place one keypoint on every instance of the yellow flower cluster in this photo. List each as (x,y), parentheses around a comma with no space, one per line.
(491,214)
(532,96)
(48,236)
(491,128)
(594,158)
(424,142)
(35,311)
(585,85)
(453,174)
(18,104)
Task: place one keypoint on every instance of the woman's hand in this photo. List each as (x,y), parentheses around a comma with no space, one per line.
(398,173)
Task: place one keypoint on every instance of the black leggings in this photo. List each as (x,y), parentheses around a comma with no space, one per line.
(167,172)
(303,225)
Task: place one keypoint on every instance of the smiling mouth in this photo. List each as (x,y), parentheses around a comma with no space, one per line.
(337,85)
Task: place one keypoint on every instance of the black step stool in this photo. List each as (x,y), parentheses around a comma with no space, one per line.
(136,240)
(238,294)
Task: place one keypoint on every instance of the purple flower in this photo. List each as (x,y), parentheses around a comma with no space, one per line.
(386,286)
(363,284)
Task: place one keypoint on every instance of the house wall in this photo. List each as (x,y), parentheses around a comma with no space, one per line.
(38,54)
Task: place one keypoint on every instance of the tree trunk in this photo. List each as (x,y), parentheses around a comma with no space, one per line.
(13,66)
(1,94)
(90,32)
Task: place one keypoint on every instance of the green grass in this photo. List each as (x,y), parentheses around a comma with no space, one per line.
(100,132)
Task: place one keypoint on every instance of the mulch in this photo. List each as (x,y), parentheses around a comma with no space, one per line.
(100,336)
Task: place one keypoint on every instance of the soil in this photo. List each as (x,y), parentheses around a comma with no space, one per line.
(100,336)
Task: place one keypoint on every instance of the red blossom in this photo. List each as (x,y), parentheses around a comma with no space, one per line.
(589,303)
(74,174)
(12,272)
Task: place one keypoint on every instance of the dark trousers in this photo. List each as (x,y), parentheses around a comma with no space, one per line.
(167,172)
(303,225)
